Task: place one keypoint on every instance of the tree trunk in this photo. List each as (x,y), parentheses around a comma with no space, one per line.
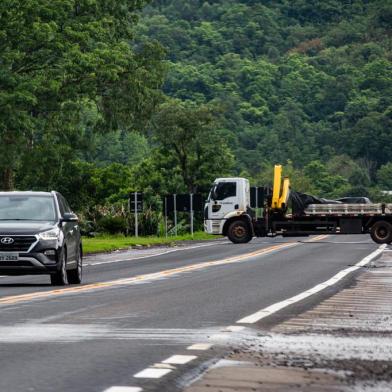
(8,179)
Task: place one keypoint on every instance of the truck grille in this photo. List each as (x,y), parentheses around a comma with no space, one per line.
(20,243)
(215,227)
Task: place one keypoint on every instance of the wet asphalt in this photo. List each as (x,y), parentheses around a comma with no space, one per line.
(101,336)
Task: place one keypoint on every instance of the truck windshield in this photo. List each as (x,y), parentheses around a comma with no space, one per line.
(38,208)
(223,190)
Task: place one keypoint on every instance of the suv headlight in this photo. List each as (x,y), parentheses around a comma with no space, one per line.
(52,234)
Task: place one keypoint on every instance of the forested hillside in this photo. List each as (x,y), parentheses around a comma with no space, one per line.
(303,81)
(99,98)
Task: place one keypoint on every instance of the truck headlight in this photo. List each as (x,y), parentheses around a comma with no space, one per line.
(52,234)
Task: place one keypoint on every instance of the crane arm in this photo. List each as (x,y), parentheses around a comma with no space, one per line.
(280,193)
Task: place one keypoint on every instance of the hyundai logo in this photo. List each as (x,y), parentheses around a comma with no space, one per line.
(7,240)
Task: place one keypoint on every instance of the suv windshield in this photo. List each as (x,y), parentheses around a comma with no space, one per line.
(39,208)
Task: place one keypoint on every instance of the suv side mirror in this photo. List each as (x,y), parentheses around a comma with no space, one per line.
(69,217)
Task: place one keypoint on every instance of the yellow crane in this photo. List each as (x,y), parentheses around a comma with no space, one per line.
(281,190)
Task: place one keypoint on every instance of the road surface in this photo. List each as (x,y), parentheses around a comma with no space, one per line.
(135,311)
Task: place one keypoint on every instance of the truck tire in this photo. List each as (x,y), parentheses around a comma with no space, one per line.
(239,232)
(381,232)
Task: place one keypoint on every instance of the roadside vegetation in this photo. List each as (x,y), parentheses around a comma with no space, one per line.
(107,243)
(101,98)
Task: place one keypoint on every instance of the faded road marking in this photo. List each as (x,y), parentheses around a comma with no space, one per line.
(234,328)
(318,238)
(62,333)
(150,255)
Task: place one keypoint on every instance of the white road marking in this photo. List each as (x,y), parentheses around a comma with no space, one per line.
(152,373)
(124,258)
(234,328)
(179,359)
(163,366)
(255,317)
(123,389)
(200,346)
(317,238)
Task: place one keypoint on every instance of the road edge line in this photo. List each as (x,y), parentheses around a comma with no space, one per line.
(269,310)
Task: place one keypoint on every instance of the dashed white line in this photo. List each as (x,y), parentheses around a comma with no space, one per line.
(255,317)
(152,373)
(123,389)
(199,347)
(179,359)
(163,366)
(234,328)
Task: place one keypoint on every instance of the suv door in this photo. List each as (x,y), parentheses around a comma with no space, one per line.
(70,230)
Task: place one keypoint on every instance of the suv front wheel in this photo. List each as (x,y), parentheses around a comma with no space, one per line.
(60,278)
(75,275)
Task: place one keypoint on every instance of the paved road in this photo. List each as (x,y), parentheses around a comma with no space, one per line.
(137,309)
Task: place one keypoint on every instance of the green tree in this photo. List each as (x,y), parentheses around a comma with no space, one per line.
(59,57)
(384,176)
(191,144)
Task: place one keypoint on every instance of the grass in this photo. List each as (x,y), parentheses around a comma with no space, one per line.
(107,243)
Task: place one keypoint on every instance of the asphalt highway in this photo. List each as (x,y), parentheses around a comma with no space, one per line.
(135,311)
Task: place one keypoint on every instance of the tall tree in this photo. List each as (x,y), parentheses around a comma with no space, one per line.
(191,144)
(60,57)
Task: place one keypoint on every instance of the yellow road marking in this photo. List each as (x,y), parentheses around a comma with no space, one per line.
(140,278)
(147,277)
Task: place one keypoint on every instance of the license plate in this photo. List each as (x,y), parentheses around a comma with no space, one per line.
(9,257)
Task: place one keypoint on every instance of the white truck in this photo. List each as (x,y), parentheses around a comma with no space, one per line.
(227,212)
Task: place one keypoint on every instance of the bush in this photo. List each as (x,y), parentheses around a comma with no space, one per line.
(112,224)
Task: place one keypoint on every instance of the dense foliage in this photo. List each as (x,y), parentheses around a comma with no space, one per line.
(298,80)
(98,98)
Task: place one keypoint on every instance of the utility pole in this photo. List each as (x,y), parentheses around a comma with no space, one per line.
(191,208)
(257,200)
(166,216)
(175,214)
(136,217)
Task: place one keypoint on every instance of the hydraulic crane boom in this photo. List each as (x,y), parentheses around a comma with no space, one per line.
(281,192)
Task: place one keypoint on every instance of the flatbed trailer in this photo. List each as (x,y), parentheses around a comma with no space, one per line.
(228,213)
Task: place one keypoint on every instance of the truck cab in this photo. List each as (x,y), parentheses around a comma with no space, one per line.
(228,198)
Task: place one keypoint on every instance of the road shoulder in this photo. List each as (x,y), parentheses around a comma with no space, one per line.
(342,344)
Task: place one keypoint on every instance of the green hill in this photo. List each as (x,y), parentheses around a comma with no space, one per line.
(296,80)
(101,98)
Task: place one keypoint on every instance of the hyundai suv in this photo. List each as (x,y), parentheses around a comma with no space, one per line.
(39,234)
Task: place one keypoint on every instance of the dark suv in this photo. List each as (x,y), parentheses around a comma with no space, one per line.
(39,234)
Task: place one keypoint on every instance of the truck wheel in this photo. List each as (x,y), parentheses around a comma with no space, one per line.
(239,232)
(381,232)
